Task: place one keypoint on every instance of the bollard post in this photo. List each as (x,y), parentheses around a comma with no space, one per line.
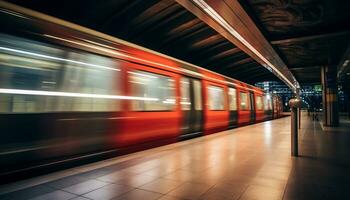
(294,104)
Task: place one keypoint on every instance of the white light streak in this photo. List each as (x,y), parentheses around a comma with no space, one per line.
(169,101)
(71,94)
(56,58)
(143,75)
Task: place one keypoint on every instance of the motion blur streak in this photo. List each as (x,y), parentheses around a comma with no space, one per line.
(56,58)
(70,94)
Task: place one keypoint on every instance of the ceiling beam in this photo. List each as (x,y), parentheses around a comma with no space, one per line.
(224,53)
(312,37)
(214,47)
(304,68)
(230,19)
(241,72)
(227,60)
(261,77)
(208,41)
(239,68)
(237,63)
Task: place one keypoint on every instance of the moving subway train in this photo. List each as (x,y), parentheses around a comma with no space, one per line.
(67,92)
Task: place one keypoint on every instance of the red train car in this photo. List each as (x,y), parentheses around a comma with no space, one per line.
(68,92)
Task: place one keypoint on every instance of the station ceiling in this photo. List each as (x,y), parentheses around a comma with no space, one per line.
(306,34)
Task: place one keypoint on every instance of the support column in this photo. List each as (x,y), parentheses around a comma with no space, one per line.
(347,100)
(329,96)
(294,105)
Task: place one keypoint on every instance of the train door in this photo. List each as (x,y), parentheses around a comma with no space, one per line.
(252,107)
(233,118)
(192,108)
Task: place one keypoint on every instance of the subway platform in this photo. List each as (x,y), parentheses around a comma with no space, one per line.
(251,162)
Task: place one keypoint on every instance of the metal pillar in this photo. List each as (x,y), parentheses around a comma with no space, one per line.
(299,118)
(329,97)
(294,104)
(348,104)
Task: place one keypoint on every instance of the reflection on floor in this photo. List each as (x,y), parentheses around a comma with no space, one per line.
(251,162)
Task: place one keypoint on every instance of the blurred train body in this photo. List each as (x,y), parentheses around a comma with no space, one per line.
(67,92)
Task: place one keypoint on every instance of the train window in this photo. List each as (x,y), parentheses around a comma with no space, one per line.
(267,102)
(244,101)
(157,91)
(39,77)
(185,94)
(197,94)
(259,103)
(232,94)
(275,104)
(216,98)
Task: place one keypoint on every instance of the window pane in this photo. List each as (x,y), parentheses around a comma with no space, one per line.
(259,103)
(216,98)
(185,94)
(157,91)
(267,102)
(39,77)
(244,101)
(197,94)
(232,98)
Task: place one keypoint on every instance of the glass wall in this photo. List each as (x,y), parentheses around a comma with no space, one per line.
(216,98)
(157,90)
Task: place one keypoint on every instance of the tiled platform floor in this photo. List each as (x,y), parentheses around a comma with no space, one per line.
(251,162)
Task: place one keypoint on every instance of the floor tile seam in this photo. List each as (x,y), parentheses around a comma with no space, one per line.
(213,186)
(283,187)
(57,189)
(158,192)
(142,190)
(133,188)
(242,193)
(206,191)
(62,189)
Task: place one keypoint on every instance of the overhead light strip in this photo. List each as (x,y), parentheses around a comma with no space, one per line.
(211,12)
